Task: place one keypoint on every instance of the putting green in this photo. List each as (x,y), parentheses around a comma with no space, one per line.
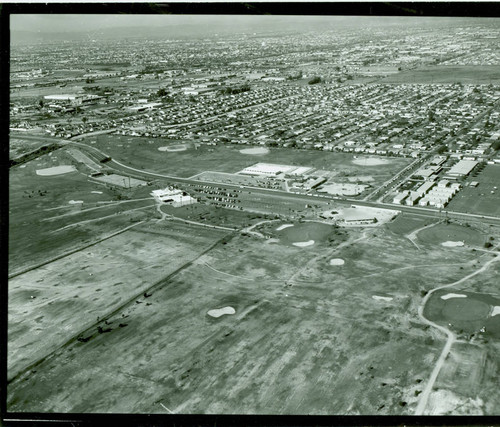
(305,232)
(465,309)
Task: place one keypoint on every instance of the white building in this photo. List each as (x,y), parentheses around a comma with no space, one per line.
(173,196)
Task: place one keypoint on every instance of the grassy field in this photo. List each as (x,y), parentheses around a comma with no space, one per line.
(465,315)
(480,199)
(143,153)
(63,298)
(43,222)
(406,223)
(214,215)
(440,233)
(307,337)
(466,74)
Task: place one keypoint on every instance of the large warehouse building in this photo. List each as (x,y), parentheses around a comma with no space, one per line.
(274,170)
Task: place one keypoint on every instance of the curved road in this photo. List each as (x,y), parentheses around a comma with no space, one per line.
(451,337)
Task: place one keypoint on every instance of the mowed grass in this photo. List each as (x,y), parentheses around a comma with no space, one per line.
(452,232)
(468,74)
(39,206)
(406,223)
(66,296)
(468,314)
(142,153)
(483,199)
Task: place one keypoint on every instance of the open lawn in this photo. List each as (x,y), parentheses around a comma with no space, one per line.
(483,199)
(405,223)
(452,232)
(143,153)
(466,74)
(51,214)
(306,336)
(465,315)
(49,305)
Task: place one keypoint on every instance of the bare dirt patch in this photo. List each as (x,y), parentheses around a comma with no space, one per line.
(56,170)
(218,312)
(370,161)
(255,151)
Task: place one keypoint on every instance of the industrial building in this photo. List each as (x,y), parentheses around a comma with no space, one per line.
(274,170)
(173,196)
(74,99)
(399,197)
(462,168)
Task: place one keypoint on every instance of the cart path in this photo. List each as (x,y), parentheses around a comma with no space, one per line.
(451,337)
(413,235)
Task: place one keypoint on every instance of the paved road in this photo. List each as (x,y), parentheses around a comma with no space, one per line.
(308,198)
(303,197)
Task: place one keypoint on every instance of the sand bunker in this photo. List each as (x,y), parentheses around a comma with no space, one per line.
(377,297)
(173,148)
(282,227)
(370,161)
(303,244)
(450,243)
(255,150)
(218,312)
(56,170)
(448,296)
(96,192)
(495,311)
(75,202)
(337,261)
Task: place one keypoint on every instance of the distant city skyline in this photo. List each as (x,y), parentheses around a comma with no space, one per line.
(93,22)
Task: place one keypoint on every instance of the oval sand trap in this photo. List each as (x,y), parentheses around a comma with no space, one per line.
(377,297)
(173,148)
(303,244)
(495,311)
(337,261)
(449,244)
(255,150)
(56,170)
(218,312)
(282,227)
(370,161)
(96,192)
(75,202)
(448,296)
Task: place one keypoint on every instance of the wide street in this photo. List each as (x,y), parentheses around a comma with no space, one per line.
(277,194)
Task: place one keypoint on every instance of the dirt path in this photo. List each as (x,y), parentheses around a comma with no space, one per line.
(451,337)
(227,274)
(111,203)
(329,254)
(87,221)
(413,235)
(256,233)
(187,221)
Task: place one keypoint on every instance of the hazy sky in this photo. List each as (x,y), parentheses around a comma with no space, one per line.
(76,23)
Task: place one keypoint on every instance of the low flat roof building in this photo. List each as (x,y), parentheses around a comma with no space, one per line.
(462,168)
